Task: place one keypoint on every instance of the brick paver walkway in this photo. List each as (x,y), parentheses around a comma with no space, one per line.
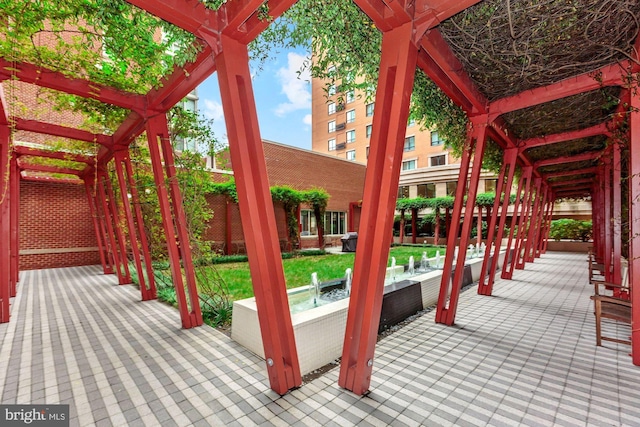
(525,356)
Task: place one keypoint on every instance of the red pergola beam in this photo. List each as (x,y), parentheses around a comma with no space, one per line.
(609,75)
(601,129)
(44,77)
(439,52)
(190,15)
(592,169)
(41,178)
(48,169)
(568,159)
(556,184)
(22,150)
(36,126)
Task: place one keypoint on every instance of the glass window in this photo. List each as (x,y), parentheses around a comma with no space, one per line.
(412,122)
(332,144)
(351,155)
(351,116)
(451,188)
(351,96)
(490,185)
(332,90)
(308,222)
(367,151)
(428,191)
(435,139)
(410,143)
(331,70)
(409,165)
(403,192)
(335,222)
(332,126)
(368,130)
(369,109)
(332,107)
(351,135)
(440,160)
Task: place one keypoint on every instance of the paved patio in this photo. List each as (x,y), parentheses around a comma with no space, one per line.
(525,356)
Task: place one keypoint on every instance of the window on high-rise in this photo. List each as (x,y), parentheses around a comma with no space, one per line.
(332,144)
(332,107)
(435,139)
(369,128)
(351,116)
(451,188)
(351,155)
(403,192)
(369,109)
(409,164)
(351,96)
(351,136)
(332,126)
(428,191)
(332,90)
(440,160)
(410,143)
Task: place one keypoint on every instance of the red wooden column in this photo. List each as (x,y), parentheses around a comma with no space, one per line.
(507,267)
(5,222)
(89,189)
(503,191)
(14,206)
(617,214)
(257,216)
(540,222)
(111,233)
(523,226)
(173,221)
(102,223)
(142,235)
(117,226)
(607,216)
(450,286)
(634,224)
(147,288)
(395,83)
(533,222)
(548,218)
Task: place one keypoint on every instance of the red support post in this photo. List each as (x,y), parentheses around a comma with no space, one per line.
(111,234)
(14,206)
(401,226)
(503,191)
(395,82)
(117,226)
(88,186)
(479,227)
(173,221)
(414,225)
(450,286)
(540,223)
(529,249)
(617,214)
(257,216)
(523,226)
(5,223)
(607,216)
(507,267)
(139,219)
(147,290)
(102,223)
(227,228)
(547,228)
(634,224)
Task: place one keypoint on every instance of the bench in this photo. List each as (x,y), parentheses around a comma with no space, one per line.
(616,307)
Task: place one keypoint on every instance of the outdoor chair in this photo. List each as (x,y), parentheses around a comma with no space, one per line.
(596,268)
(616,306)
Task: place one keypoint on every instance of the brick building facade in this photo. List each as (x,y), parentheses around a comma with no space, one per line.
(56,228)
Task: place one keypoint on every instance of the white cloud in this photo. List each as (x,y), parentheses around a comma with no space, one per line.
(307,119)
(213,110)
(295,85)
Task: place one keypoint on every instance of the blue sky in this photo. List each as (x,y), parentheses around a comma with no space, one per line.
(283,101)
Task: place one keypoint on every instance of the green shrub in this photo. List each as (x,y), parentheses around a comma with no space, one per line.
(570,229)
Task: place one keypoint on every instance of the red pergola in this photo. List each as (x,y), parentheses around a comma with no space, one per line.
(411,38)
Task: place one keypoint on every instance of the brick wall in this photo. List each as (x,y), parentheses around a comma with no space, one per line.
(56,228)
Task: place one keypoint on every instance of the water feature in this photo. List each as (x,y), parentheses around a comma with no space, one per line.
(424,262)
(438,259)
(314,289)
(347,279)
(393,269)
(411,270)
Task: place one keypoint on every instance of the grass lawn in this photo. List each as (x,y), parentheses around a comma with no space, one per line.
(298,271)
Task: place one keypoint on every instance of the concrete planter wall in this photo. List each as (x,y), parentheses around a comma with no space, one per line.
(319,332)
